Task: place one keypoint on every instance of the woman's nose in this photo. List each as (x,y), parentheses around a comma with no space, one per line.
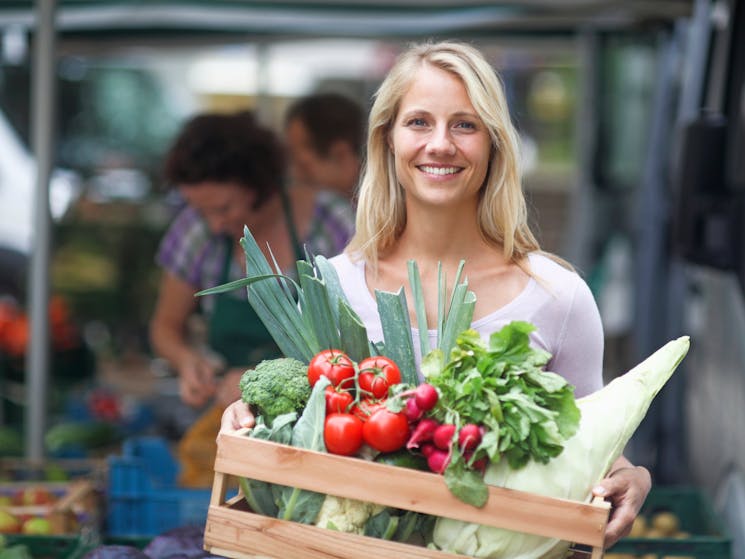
(440,142)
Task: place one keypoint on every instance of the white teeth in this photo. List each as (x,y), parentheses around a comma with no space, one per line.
(439,170)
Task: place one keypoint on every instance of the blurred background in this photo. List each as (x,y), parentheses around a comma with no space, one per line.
(620,106)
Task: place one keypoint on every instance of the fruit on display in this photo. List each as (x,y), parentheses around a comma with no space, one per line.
(34,495)
(37,526)
(9,523)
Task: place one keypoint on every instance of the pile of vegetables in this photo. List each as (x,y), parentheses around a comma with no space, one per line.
(488,412)
(609,418)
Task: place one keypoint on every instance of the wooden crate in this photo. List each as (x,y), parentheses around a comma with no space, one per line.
(233,531)
(74,504)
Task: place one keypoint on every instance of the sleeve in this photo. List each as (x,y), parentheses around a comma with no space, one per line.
(333,225)
(580,350)
(185,247)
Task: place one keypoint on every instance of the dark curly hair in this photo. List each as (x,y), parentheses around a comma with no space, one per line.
(329,117)
(220,147)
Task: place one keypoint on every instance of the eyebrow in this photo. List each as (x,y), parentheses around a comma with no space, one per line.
(459,114)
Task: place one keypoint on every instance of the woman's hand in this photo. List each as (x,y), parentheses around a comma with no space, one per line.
(626,487)
(197,379)
(236,416)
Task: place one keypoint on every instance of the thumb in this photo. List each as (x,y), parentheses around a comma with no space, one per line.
(607,487)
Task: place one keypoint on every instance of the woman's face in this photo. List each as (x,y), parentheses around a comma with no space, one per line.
(226,207)
(441,146)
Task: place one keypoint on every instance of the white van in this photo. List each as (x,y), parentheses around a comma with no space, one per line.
(17,190)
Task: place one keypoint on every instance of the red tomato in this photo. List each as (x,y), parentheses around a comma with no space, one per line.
(335,365)
(342,433)
(386,431)
(366,407)
(377,374)
(337,401)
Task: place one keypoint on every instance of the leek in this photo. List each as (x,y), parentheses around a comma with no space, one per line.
(320,318)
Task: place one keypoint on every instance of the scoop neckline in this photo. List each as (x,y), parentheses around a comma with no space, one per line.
(529,287)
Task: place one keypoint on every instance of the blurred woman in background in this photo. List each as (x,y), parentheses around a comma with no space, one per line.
(230,172)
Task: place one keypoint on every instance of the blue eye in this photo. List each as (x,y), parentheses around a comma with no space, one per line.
(416,122)
(466,125)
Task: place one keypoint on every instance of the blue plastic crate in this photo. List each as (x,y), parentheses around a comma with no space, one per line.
(143,498)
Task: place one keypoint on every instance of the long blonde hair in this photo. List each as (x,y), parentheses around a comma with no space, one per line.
(502,211)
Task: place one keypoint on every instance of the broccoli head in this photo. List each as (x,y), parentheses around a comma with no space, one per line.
(276,386)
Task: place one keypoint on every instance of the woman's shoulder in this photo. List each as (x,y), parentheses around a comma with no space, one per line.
(187,227)
(347,265)
(561,285)
(332,224)
(553,271)
(330,205)
(188,247)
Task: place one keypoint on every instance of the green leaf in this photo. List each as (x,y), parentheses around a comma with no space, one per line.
(441,297)
(333,286)
(394,318)
(466,484)
(382,525)
(457,316)
(353,333)
(308,431)
(260,494)
(298,504)
(433,364)
(317,307)
(415,282)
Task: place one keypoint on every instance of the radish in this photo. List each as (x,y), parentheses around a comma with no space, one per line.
(443,436)
(438,460)
(412,411)
(479,464)
(427,449)
(426,396)
(469,437)
(423,432)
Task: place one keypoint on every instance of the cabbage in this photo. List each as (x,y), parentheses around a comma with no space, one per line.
(609,418)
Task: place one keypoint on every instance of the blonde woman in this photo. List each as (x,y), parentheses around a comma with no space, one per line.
(442,184)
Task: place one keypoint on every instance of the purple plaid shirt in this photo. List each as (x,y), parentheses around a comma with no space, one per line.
(191,252)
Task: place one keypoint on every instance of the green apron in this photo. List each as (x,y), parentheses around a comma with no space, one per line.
(234,330)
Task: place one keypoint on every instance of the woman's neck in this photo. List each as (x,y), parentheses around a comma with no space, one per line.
(441,236)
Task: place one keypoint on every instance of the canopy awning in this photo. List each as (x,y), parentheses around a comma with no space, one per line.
(357,18)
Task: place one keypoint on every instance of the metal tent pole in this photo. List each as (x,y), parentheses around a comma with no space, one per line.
(42,114)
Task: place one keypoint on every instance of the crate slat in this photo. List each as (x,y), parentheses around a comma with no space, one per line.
(231,531)
(408,489)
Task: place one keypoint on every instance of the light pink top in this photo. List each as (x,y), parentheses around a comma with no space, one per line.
(560,306)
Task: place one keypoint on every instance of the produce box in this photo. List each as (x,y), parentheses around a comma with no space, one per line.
(143,496)
(53,470)
(233,531)
(48,508)
(50,547)
(679,522)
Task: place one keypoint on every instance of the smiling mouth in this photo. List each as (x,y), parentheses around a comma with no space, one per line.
(439,170)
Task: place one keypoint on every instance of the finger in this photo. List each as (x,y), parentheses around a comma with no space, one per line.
(236,416)
(618,527)
(193,393)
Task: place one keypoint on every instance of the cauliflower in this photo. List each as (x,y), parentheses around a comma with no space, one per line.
(276,386)
(346,515)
